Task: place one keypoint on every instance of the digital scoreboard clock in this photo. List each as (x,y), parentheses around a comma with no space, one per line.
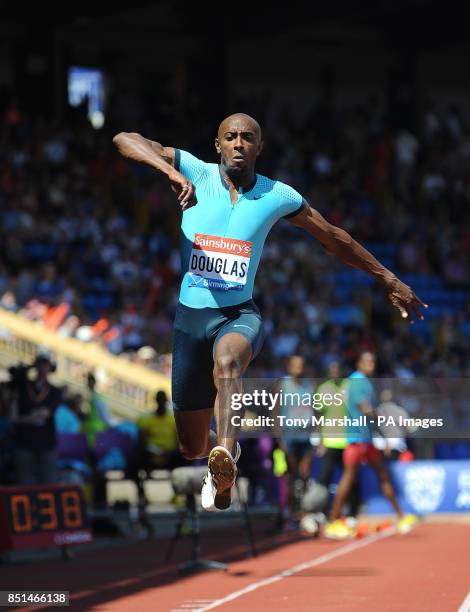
(38,516)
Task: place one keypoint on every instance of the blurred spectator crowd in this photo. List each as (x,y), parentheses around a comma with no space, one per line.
(90,241)
(50,434)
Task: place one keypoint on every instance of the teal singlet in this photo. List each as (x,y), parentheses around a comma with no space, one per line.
(221,244)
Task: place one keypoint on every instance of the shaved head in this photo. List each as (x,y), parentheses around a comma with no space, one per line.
(239,121)
(239,143)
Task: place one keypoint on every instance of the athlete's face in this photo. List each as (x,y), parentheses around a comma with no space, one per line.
(239,143)
(295,366)
(366,364)
(334,370)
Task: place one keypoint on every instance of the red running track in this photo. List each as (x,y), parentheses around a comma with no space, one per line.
(427,570)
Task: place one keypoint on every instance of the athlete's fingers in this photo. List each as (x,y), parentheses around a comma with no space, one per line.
(183,192)
(403,311)
(398,303)
(421,303)
(189,205)
(410,310)
(187,195)
(191,195)
(187,192)
(416,308)
(191,200)
(413,312)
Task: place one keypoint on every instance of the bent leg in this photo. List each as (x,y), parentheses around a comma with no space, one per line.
(292,469)
(193,390)
(232,355)
(327,465)
(196,440)
(354,499)
(305,468)
(378,465)
(344,487)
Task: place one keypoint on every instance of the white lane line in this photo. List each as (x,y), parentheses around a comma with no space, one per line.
(339,552)
(192,604)
(465,605)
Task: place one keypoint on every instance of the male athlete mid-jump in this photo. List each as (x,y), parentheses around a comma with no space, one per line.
(228,210)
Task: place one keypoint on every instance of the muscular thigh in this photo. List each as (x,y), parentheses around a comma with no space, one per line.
(200,336)
(248,324)
(192,380)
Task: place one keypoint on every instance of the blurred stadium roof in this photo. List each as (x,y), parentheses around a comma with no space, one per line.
(430,23)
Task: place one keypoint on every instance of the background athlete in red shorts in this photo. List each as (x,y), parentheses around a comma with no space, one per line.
(361,401)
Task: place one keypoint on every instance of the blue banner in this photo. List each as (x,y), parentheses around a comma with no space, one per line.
(422,487)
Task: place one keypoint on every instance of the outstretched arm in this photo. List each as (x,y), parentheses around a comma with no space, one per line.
(140,149)
(340,243)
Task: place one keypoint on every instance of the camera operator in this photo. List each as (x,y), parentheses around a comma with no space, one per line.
(35,434)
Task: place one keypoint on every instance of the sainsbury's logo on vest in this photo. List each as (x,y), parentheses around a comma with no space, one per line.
(221,244)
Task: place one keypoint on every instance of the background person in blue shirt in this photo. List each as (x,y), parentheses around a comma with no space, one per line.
(228,211)
(69,415)
(361,402)
(295,441)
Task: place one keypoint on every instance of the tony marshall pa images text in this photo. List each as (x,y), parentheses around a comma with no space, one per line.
(322,421)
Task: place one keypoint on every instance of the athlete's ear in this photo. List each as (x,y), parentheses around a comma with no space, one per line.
(260,147)
(217,146)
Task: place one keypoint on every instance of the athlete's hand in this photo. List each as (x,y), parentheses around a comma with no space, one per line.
(404,298)
(184,189)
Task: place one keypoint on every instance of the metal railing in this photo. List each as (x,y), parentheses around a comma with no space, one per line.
(128,388)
